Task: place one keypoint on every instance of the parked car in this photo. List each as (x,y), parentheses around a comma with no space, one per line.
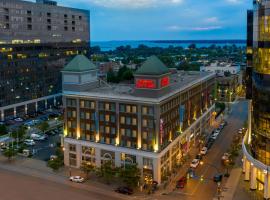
(76,179)
(124,190)
(29,142)
(195,163)
(38,137)
(181,182)
(214,137)
(203,151)
(217,178)
(18,119)
(225,156)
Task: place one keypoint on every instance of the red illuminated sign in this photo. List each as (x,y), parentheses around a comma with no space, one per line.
(165,81)
(145,83)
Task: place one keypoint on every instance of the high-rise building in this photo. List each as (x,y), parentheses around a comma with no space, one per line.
(153,122)
(36,41)
(256,145)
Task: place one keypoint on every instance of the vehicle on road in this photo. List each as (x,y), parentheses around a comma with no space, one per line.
(225,156)
(181,182)
(214,137)
(76,179)
(217,178)
(203,151)
(195,163)
(29,142)
(124,190)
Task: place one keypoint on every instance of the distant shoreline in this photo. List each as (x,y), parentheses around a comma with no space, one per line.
(112,45)
(199,41)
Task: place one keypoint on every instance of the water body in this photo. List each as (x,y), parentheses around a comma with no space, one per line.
(112,45)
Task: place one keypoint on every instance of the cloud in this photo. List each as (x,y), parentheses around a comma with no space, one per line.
(131,4)
(211,20)
(198,28)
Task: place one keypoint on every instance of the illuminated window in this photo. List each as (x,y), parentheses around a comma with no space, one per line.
(144,135)
(107,129)
(122,120)
(107,118)
(134,121)
(128,110)
(107,106)
(144,123)
(134,133)
(122,132)
(134,109)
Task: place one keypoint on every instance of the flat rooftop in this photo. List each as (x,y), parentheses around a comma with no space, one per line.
(126,92)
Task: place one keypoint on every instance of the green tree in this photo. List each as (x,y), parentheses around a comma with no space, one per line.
(10,152)
(130,175)
(44,126)
(3,130)
(87,168)
(111,77)
(55,164)
(107,171)
(121,72)
(128,75)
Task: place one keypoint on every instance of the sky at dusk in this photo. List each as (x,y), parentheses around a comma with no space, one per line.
(165,19)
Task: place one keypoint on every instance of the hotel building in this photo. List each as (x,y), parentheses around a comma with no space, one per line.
(256,145)
(153,122)
(36,41)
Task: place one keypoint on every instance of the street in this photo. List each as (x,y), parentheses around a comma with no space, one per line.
(206,189)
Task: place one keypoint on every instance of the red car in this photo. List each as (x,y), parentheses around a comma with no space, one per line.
(181,182)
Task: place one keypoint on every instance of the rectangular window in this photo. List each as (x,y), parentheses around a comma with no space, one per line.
(144,110)
(107,129)
(128,120)
(134,121)
(74,114)
(128,109)
(134,109)
(144,135)
(144,123)
(107,106)
(107,118)
(122,108)
(122,131)
(72,147)
(122,120)
(134,133)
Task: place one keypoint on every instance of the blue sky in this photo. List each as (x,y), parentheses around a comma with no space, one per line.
(165,19)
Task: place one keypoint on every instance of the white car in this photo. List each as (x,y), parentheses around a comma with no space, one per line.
(18,119)
(38,137)
(29,142)
(76,179)
(195,163)
(225,156)
(203,151)
(214,136)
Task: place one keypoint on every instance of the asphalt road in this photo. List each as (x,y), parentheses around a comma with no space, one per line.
(207,189)
(14,186)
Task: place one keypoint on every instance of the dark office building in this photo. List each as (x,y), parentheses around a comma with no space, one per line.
(36,41)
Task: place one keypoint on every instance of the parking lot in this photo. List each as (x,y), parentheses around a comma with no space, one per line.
(41,145)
